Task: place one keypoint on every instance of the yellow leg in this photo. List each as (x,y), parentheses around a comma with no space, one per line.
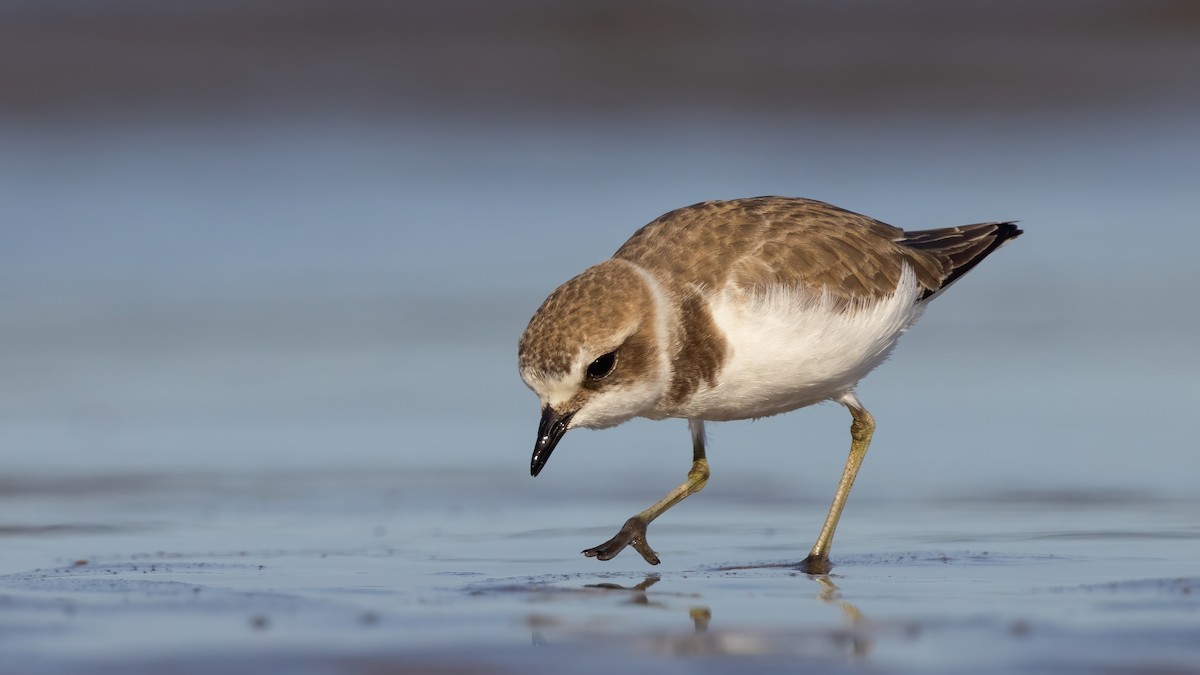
(861,430)
(633,533)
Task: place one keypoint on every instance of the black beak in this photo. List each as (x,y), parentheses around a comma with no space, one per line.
(550,431)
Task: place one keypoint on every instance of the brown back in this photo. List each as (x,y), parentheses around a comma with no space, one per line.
(764,241)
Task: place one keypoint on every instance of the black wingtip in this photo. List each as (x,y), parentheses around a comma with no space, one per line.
(1003,233)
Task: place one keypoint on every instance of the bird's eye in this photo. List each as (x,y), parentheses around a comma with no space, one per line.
(601,367)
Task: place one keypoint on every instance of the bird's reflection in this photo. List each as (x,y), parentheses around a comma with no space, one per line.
(860,641)
(700,616)
(851,640)
(637,593)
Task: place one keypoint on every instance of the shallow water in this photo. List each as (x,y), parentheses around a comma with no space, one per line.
(371,571)
(259,408)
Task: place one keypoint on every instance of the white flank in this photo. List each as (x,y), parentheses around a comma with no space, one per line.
(791,347)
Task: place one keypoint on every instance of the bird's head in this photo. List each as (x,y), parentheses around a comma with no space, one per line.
(593,353)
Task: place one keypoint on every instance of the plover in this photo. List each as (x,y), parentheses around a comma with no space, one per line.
(730,310)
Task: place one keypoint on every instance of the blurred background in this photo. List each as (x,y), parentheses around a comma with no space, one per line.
(290,238)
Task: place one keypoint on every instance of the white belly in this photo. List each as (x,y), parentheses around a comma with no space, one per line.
(791,347)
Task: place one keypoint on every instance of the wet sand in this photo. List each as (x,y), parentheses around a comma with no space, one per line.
(294,573)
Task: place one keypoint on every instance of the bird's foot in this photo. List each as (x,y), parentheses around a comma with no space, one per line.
(633,533)
(815,565)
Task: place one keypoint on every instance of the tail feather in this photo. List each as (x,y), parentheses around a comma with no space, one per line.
(959,249)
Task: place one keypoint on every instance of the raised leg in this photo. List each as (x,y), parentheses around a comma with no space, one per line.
(634,531)
(861,430)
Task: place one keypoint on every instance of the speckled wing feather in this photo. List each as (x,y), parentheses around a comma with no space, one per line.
(764,241)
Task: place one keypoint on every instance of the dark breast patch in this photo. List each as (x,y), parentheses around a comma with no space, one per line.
(700,350)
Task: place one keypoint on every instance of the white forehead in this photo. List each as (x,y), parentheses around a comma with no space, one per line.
(554,390)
